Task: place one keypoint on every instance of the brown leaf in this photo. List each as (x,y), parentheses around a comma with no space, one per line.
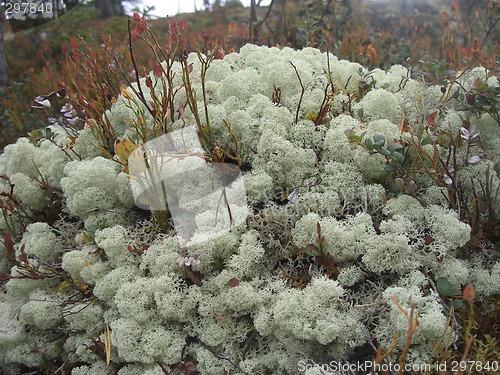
(430,119)
(312,247)
(428,240)
(445,19)
(371,52)
(400,184)
(470,97)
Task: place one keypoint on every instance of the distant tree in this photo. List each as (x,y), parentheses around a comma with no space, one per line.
(207,4)
(3,61)
(109,8)
(253,11)
(233,4)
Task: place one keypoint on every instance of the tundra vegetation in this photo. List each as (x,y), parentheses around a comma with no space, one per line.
(373,196)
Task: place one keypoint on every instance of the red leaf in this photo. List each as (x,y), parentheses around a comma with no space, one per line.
(9,245)
(189,368)
(139,29)
(64,48)
(234,282)
(149,83)
(221,53)
(136,34)
(137,18)
(320,260)
(163,368)
(469,293)
(180,111)
(73,43)
(183,25)
(232,26)
(23,257)
(172,27)
(475,50)
(157,70)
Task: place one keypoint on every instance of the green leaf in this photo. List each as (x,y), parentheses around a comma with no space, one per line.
(384,151)
(379,138)
(457,304)
(349,132)
(482,87)
(399,157)
(394,147)
(443,285)
(386,86)
(62,286)
(426,141)
(406,138)
(390,168)
(361,113)
(455,292)
(369,143)
(461,107)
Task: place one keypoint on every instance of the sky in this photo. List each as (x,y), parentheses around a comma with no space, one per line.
(171,7)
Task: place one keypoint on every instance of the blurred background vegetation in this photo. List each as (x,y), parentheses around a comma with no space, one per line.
(376,33)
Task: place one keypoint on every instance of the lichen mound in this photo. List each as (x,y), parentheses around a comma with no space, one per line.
(313,272)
